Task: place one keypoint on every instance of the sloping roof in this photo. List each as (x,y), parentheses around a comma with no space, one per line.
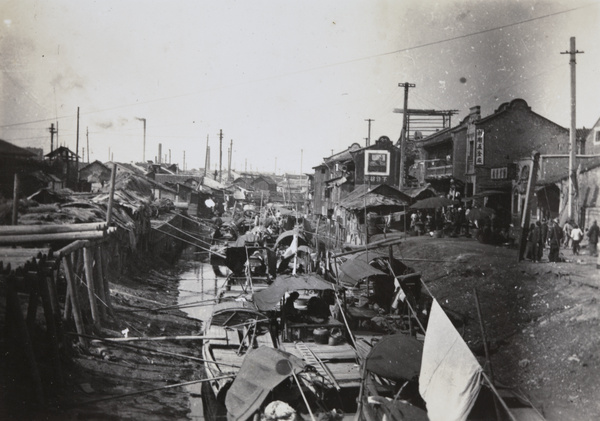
(176,178)
(418,191)
(59,151)
(380,195)
(8,149)
(586,165)
(344,155)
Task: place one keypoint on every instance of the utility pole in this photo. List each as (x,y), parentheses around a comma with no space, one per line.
(87,137)
(573,131)
(52,132)
(77,154)
(402,178)
(229,163)
(301,159)
(369,136)
(275,166)
(220,155)
(206,158)
(183,160)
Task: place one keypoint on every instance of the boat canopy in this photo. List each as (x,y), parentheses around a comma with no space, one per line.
(269,298)
(352,271)
(396,357)
(235,313)
(262,370)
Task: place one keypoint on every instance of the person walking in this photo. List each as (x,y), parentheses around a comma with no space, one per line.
(576,236)
(544,233)
(555,236)
(540,243)
(593,234)
(529,248)
(567,230)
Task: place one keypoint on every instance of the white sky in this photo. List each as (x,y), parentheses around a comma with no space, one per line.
(279,77)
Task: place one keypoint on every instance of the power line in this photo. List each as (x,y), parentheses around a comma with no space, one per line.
(428,44)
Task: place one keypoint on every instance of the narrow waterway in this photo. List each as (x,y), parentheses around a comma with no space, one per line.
(198,287)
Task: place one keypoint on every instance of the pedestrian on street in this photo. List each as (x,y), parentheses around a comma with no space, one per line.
(555,237)
(577,236)
(540,244)
(529,250)
(567,230)
(593,234)
(544,233)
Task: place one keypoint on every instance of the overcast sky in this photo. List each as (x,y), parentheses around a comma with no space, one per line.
(287,81)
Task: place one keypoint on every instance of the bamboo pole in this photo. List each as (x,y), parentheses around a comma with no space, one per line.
(15,207)
(72,292)
(154,389)
(46,238)
(113,176)
(103,278)
(50,326)
(98,281)
(165,338)
(89,275)
(50,229)
(20,329)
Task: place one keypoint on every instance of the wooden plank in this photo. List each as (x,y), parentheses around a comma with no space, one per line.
(50,228)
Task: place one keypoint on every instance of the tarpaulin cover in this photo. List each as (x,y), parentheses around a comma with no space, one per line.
(396,357)
(269,298)
(286,238)
(262,370)
(354,270)
(450,377)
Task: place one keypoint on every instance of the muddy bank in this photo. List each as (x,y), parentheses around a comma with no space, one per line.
(110,381)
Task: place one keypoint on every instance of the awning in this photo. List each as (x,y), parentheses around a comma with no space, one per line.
(396,357)
(269,298)
(354,270)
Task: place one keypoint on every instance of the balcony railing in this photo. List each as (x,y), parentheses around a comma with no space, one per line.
(432,169)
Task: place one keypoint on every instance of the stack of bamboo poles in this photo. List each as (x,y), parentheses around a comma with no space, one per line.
(31,276)
(31,272)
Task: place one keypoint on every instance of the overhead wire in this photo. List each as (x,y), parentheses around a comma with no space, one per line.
(324,66)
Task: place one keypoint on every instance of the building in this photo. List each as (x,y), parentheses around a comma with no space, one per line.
(479,157)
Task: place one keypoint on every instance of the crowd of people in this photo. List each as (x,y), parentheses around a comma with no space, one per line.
(550,234)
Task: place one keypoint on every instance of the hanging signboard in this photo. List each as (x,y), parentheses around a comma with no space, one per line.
(479,147)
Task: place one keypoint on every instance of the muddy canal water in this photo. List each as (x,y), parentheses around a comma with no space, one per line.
(198,287)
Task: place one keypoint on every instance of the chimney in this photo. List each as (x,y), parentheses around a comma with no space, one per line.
(159,152)
(475,113)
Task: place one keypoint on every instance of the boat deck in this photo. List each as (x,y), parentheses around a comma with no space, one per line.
(337,364)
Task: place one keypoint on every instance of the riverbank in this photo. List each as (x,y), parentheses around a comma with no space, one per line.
(114,381)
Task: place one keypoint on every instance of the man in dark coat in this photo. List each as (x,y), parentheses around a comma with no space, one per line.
(555,236)
(544,233)
(540,244)
(593,234)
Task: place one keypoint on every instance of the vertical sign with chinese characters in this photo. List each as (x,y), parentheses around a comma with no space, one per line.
(479,147)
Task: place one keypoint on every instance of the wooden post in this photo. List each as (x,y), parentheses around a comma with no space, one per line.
(32,309)
(15,209)
(89,275)
(20,328)
(103,276)
(72,292)
(99,282)
(113,176)
(526,211)
(50,325)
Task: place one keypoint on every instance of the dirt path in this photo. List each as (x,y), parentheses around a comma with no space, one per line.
(541,318)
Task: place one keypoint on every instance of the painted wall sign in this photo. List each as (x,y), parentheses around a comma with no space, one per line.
(479,147)
(377,163)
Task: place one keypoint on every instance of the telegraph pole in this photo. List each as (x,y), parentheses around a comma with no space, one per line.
(402,180)
(369,136)
(220,154)
(229,163)
(206,157)
(77,154)
(87,137)
(573,131)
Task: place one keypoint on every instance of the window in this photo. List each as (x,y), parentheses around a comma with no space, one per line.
(597,136)
(499,173)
